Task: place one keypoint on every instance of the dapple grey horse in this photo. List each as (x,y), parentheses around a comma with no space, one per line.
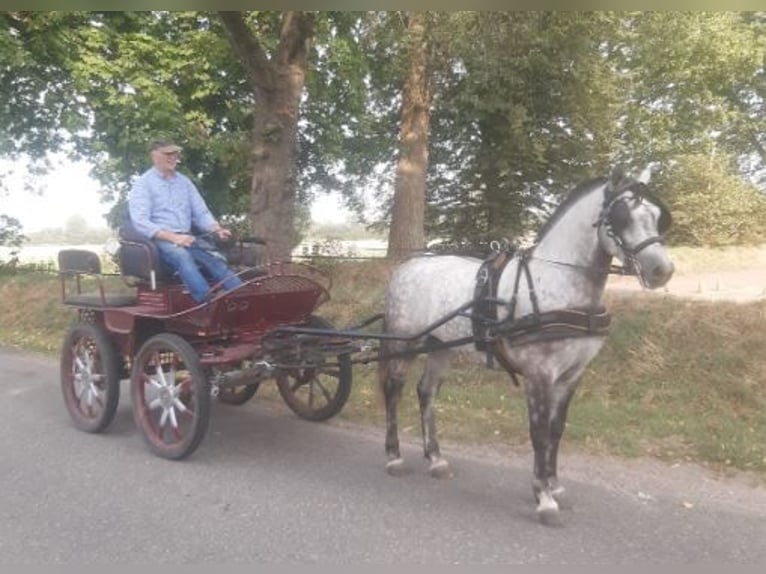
(565,270)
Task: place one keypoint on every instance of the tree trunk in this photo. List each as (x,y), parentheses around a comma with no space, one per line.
(277,84)
(407,231)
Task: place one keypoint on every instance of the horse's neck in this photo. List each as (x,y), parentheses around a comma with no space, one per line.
(573,239)
(568,267)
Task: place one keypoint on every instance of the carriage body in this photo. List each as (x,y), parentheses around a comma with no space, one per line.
(179,355)
(222,330)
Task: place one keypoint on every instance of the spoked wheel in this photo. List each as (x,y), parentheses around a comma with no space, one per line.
(237,395)
(90,377)
(171,396)
(317,392)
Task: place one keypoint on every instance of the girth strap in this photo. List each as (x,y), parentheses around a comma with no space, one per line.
(484,310)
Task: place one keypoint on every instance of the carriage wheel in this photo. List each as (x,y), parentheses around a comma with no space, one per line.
(171,396)
(317,392)
(237,395)
(90,377)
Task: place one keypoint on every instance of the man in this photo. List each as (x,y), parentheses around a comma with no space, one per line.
(163,206)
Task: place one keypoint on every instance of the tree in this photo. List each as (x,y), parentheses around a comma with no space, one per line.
(407,232)
(526,108)
(122,78)
(10,231)
(522,105)
(711,204)
(277,85)
(694,82)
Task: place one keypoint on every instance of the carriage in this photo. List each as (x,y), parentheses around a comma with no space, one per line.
(180,355)
(536,311)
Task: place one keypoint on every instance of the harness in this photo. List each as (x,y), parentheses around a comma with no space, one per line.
(558,324)
(532,328)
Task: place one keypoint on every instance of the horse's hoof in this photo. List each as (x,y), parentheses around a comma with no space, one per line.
(548,510)
(439,469)
(395,467)
(562,499)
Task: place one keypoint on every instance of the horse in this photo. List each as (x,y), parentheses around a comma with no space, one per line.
(538,313)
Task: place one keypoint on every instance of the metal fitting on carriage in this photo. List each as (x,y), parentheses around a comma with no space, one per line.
(266,366)
(215,382)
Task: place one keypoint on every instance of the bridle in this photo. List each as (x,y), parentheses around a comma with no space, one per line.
(615,217)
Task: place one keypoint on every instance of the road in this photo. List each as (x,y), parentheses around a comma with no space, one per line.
(266,487)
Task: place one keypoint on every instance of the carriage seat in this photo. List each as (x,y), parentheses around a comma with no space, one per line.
(76,263)
(139,258)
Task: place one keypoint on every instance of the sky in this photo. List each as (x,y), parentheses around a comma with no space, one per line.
(68,190)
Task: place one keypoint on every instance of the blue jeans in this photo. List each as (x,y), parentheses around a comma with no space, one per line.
(187,261)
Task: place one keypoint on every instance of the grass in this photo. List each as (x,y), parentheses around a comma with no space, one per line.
(677,379)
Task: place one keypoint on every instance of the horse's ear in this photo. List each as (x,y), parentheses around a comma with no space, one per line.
(646,174)
(617,175)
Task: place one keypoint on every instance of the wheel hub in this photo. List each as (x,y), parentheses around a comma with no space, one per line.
(85,380)
(167,397)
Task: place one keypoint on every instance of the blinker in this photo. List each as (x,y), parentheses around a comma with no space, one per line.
(619,215)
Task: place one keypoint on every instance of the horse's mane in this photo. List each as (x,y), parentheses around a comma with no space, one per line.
(572,197)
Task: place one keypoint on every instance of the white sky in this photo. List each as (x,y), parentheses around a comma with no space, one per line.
(68,190)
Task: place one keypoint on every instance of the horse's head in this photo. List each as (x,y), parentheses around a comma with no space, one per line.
(631,226)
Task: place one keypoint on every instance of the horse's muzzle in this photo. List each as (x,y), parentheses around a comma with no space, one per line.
(659,274)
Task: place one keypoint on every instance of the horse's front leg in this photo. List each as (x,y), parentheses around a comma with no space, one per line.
(547,407)
(428,387)
(544,481)
(557,425)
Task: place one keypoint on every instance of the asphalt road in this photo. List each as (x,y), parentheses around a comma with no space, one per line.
(266,487)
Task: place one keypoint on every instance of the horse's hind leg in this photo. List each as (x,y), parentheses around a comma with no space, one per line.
(428,387)
(391,375)
(557,425)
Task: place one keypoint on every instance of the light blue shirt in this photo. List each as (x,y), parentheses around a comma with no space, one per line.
(170,203)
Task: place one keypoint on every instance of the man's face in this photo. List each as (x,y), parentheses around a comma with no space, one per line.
(165,161)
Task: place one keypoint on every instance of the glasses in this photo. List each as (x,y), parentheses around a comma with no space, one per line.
(170,153)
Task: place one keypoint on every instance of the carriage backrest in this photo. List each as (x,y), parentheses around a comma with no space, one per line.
(78,262)
(139,257)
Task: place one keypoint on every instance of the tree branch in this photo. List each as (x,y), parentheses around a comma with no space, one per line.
(259,70)
(297,28)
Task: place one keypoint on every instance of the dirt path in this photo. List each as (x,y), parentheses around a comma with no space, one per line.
(740,285)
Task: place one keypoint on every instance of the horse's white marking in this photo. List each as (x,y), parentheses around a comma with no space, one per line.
(547,503)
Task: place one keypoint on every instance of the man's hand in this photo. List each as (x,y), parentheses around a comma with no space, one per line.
(223,233)
(180,239)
